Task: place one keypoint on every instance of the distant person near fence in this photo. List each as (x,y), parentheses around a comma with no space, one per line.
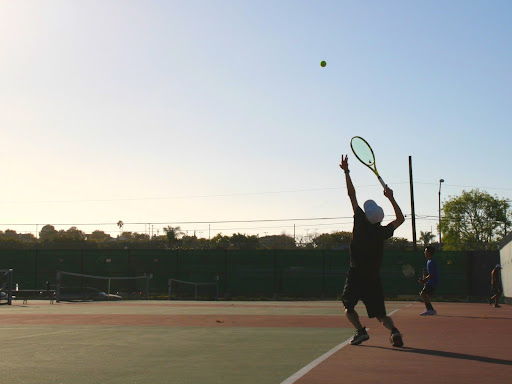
(430,282)
(496,287)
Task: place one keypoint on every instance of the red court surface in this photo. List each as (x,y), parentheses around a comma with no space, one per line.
(464,343)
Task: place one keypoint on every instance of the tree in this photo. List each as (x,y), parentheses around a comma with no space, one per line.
(426,238)
(332,240)
(277,242)
(99,237)
(48,233)
(193,242)
(173,236)
(188,242)
(27,237)
(474,220)
(72,235)
(12,239)
(397,244)
(134,237)
(240,241)
(220,242)
(9,234)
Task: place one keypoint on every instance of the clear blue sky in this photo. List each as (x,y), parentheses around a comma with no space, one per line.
(168,112)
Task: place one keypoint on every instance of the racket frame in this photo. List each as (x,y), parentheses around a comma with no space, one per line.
(374,168)
(409,271)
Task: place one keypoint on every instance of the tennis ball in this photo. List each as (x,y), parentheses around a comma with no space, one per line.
(323,63)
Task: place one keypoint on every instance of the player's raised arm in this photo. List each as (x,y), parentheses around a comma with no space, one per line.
(388,192)
(350,187)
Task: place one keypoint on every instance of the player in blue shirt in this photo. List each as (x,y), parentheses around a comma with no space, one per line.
(430,282)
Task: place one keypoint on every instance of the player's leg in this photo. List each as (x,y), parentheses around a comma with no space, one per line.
(395,336)
(361,334)
(373,298)
(491,296)
(350,298)
(386,321)
(353,317)
(426,295)
(496,298)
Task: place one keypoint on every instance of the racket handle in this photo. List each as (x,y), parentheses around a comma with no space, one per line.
(382,182)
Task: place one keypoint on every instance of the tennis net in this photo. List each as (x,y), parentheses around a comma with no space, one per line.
(82,287)
(190,290)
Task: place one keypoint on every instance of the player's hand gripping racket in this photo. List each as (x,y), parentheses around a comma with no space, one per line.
(364,153)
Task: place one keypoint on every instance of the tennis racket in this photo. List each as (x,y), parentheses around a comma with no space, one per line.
(408,271)
(364,154)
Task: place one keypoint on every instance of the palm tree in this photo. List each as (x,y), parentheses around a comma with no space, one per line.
(120,225)
(426,238)
(173,236)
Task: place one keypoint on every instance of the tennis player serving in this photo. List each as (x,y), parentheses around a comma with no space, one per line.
(366,252)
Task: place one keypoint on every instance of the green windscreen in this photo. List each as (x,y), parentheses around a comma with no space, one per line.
(255,274)
(362,150)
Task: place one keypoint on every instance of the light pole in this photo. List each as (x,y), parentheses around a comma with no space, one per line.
(440,181)
(506,202)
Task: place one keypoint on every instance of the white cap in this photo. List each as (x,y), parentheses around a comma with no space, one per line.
(373,212)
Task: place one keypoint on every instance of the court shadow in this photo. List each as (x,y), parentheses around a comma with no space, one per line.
(451,355)
(477,317)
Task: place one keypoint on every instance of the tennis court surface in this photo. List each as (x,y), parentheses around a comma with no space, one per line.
(249,342)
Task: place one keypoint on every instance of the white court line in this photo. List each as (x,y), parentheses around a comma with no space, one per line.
(297,375)
(46,333)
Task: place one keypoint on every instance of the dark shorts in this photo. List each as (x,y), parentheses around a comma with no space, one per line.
(428,290)
(361,285)
(496,289)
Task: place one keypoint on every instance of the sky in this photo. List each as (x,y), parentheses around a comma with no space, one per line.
(217,117)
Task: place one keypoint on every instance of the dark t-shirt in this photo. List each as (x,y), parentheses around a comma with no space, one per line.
(367,242)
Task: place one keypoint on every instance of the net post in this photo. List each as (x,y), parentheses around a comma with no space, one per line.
(147,284)
(169,283)
(216,288)
(57,287)
(9,282)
